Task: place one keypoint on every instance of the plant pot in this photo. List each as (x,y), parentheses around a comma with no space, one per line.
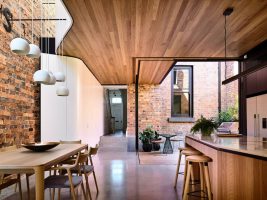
(207,132)
(156,146)
(147,147)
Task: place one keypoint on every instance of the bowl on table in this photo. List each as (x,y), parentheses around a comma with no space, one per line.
(42,146)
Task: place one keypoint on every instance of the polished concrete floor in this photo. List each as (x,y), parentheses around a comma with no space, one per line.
(120,176)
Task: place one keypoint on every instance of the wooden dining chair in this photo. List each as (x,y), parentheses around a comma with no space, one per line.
(68,181)
(7,180)
(68,161)
(86,169)
(92,152)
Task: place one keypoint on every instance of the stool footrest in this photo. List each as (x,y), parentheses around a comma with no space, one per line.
(195,182)
(198,191)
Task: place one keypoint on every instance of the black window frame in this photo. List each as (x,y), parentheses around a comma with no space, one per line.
(191,93)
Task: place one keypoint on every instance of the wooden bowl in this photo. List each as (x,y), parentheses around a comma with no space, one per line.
(39,147)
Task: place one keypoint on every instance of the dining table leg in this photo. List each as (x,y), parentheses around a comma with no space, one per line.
(39,182)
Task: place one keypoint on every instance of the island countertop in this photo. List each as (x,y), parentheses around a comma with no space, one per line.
(238,167)
(255,147)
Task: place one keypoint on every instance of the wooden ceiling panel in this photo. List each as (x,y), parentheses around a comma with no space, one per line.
(108,34)
(151,71)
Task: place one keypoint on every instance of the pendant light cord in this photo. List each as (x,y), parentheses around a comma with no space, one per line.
(66,86)
(66,117)
(32,21)
(62,49)
(58,65)
(19,19)
(66,103)
(227,12)
(41,25)
(225,40)
(48,41)
(66,66)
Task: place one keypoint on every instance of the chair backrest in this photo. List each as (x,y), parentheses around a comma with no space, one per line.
(92,152)
(77,159)
(70,141)
(68,166)
(8,179)
(83,158)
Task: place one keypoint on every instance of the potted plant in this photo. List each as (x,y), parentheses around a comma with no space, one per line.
(146,136)
(205,126)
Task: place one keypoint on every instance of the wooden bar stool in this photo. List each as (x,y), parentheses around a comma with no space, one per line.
(188,151)
(204,175)
(179,162)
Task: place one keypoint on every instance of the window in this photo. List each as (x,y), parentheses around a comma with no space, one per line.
(116,100)
(182,92)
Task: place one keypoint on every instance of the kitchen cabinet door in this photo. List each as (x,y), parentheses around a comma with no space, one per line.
(251,116)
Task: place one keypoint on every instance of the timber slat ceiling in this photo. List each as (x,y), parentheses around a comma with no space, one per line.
(107,34)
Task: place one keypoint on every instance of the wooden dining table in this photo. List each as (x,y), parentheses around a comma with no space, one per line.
(26,161)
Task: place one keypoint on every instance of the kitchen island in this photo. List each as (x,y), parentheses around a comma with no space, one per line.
(239,165)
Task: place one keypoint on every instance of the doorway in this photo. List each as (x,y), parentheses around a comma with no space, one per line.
(117,100)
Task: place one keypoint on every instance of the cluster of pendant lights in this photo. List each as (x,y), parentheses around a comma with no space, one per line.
(20,46)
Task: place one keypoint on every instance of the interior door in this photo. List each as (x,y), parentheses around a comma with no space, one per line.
(262,114)
(251,116)
(117,112)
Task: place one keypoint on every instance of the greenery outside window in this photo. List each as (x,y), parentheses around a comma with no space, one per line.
(182,91)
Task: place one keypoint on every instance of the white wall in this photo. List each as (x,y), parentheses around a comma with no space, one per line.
(81,114)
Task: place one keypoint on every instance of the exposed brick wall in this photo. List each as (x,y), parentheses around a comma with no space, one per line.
(155,100)
(19,97)
(229,91)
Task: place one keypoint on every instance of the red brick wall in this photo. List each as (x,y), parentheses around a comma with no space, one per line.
(155,100)
(230,90)
(19,97)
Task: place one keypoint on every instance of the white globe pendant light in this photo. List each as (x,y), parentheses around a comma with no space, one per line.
(62,91)
(52,80)
(34,49)
(41,76)
(60,77)
(19,45)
